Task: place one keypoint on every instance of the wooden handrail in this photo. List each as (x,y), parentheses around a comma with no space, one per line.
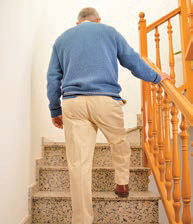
(163,19)
(180,100)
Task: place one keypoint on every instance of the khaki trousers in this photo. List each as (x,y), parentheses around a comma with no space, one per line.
(82,116)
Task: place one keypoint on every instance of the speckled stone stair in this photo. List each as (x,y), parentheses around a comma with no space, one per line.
(50,197)
(55,155)
(52,178)
(138,208)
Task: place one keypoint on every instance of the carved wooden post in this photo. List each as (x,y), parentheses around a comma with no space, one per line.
(150,137)
(143,52)
(174,120)
(186,191)
(192,152)
(168,151)
(176,164)
(171,51)
(159,106)
(154,127)
(157,40)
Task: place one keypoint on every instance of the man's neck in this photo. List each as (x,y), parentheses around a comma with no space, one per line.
(85,21)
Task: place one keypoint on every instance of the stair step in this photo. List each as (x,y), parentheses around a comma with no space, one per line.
(55,154)
(55,208)
(56,178)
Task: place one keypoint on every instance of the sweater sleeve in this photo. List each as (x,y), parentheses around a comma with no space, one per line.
(54,77)
(131,60)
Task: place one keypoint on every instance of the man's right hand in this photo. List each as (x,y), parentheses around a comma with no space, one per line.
(165,76)
(57,122)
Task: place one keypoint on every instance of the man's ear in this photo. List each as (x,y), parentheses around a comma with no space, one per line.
(77,23)
(98,20)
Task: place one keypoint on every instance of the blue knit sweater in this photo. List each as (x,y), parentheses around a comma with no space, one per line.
(84,62)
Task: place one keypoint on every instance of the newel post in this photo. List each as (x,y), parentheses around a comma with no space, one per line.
(144,87)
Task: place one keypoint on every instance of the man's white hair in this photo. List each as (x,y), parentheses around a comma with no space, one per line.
(88,13)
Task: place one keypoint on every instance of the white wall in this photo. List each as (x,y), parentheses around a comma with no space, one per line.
(15,74)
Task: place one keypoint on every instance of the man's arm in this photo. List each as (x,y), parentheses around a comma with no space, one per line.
(131,60)
(54,77)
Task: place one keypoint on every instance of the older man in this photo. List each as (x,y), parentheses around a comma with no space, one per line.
(83,70)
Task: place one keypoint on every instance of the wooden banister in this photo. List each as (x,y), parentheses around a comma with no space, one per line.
(180,100)
(161,105)
(163,19)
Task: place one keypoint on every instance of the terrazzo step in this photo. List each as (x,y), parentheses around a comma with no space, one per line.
(138,208)
(55,154)
(52,178)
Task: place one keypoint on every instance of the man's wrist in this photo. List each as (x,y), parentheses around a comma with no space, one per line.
(157,79)
(56,112)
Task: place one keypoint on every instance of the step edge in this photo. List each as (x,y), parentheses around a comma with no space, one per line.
(50,167)
(100,196)
(97,146)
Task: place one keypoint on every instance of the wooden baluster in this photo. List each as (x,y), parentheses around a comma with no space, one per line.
(175,164)
(168,151)
(192,152)
(160,133)
(157,40)
(171,52)
(159,106)
(174,120)
(149,117)
(186,192)
(149,120)
(154,127)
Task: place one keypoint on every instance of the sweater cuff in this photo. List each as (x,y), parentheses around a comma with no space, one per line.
(56,112)
(157,79)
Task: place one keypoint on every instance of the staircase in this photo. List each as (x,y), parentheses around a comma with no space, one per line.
(50,197)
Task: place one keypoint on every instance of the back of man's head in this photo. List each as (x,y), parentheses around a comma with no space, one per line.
(88,13)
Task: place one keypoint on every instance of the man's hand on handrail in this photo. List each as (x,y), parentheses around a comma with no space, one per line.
(164,76)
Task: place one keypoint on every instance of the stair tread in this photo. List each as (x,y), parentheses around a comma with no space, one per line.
(97,145)
(99,195)
(53,167)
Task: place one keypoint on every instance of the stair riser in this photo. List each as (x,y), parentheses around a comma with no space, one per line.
(59,211)
(56,156)
(135,137)
(102,180)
